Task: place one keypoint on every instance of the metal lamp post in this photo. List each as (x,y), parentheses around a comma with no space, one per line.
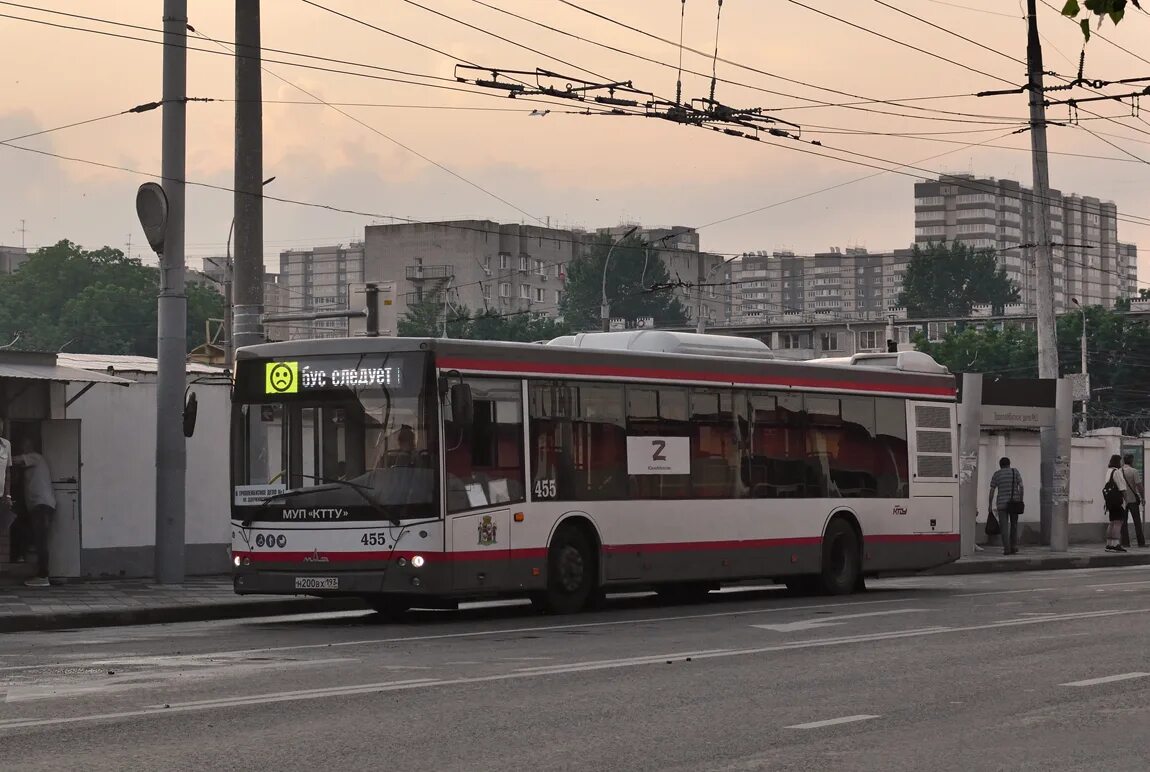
(605,308)
(1086,387)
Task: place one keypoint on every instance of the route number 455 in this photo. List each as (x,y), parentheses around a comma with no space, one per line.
(545,489)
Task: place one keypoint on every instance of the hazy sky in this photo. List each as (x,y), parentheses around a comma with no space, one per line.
(574,169)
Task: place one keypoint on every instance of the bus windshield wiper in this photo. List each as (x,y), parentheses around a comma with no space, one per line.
(325,481)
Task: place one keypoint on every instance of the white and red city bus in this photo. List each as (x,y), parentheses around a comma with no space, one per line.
(421,472)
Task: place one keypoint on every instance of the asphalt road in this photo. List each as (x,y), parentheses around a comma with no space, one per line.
(1044,671)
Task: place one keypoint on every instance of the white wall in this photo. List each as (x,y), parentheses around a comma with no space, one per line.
(118,451)
(1089,457)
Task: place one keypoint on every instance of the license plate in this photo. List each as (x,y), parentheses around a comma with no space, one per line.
(317,583)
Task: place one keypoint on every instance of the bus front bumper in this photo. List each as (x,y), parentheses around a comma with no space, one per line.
(426,580)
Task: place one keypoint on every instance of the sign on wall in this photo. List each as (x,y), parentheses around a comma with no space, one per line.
(658,455)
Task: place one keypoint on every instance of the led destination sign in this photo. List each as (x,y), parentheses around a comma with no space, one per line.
(291,378)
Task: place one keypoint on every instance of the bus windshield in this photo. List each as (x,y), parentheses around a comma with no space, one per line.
(335,438)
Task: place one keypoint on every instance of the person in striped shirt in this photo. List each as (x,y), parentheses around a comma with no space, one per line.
(1007,482)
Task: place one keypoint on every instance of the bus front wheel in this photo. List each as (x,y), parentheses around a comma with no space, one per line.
(572,573)
(842,564)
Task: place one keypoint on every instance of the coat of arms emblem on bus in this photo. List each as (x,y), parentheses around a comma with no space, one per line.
(486,531)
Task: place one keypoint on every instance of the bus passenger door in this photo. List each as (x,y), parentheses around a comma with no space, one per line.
(480,549)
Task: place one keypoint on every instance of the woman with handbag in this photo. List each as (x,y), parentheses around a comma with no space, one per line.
(1007,481)
(1114,496)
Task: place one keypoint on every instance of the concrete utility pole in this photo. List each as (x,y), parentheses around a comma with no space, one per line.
(248,279)
(969,436)
(1043,260)
(1050,508)
(172,308)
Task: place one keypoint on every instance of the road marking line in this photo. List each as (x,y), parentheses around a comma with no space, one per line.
(1118,584)
(627,660)
(812,624)
(832,722)
(547,628)
(1107,679)
(1003,592)
(357,689)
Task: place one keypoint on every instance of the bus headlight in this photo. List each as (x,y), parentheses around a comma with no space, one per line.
(417,561)
(236,561)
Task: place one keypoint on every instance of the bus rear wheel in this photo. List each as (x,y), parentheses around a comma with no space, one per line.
(572,573)
(842,562)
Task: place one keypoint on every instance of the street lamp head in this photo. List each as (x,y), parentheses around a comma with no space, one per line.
(1075,302)
(152,209)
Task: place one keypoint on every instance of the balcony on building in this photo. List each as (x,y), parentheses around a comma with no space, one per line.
(430,272)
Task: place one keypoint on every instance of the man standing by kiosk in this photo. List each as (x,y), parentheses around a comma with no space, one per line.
(40,502)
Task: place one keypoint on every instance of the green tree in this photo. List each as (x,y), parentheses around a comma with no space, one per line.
(1118,360)
(1102,9)
(425,320)
(949,279)
(98,302)
(637,286)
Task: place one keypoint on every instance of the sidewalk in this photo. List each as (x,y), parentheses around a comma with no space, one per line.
(141,602)
(1036,558)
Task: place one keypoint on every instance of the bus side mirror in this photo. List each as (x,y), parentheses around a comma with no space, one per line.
(191,409)
(462,406)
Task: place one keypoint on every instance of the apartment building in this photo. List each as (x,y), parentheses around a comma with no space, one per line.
(316,278)
(479,264)
(1090,264)
(851,283)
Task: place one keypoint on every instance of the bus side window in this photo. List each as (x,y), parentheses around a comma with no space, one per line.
(892,454)
(578,441)
(485,459)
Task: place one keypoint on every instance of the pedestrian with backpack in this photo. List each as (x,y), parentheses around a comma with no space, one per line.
(1134,494)
(1007,481)
(1114,496)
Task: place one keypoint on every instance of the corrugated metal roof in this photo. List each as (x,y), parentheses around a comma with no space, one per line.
(39,371)
(125,363)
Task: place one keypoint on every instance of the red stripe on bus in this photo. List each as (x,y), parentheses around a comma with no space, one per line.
(540,553)
(455,363)
(703,546)
(384,556)
(902,538)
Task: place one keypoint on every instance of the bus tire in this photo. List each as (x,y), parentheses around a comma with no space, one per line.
(572,573)
(387,606)
(841,572)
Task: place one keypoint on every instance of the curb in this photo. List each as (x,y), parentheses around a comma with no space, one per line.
(156,615)
(1045,562)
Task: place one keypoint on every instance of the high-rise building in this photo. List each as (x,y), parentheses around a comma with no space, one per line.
(316,279)
(841,284)
(1090,264)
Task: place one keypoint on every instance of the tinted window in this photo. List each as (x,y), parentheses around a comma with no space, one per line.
(715,444)
(891,452)
(578,441)
(778,455)
(658,411)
